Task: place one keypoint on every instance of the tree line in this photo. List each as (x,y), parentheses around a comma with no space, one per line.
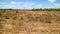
(46,9)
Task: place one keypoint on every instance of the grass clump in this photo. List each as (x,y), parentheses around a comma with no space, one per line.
(1,28)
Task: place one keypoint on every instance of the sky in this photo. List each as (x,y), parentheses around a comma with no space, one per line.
(29,4)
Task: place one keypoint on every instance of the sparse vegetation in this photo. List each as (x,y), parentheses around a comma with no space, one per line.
(27,21)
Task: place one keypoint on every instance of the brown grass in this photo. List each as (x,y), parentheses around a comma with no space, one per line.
(30,22)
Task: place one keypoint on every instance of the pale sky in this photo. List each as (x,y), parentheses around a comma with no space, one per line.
(29,4)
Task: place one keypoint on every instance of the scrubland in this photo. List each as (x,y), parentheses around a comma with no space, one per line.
(29,22)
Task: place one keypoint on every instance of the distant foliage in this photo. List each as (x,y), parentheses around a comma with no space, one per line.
(37,9)
(34,9)
(50,9)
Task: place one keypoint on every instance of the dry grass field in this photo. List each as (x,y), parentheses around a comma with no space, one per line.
(29,22)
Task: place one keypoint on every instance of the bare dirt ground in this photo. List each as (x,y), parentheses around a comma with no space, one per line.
(29,22)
